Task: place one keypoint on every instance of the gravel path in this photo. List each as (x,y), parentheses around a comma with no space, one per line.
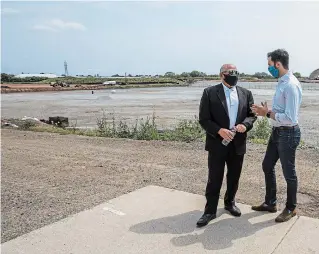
(46,177)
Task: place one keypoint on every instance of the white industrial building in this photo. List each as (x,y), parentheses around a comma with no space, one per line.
(42,75)
(111,83)
(314,74)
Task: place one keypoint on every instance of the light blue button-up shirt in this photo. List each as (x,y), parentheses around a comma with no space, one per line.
(287,100)
(232,104)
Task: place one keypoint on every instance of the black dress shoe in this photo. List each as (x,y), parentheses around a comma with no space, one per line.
(205,219)
(234,210)
(265,208)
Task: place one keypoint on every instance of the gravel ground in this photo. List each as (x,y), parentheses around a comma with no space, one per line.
(46,177)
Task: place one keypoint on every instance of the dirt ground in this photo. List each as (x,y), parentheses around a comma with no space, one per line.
(27,85)
(33,87)
(19,88)
(46,177)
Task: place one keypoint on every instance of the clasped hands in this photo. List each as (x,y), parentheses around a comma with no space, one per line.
(258,110)
(229,135)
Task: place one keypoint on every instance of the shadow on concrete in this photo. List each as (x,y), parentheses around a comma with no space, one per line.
(217,235)
(177,224)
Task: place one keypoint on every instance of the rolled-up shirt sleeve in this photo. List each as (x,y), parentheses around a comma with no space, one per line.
(292,101)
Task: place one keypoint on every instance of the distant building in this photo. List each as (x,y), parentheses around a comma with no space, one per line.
(42,75)
(314,74)
(111,83)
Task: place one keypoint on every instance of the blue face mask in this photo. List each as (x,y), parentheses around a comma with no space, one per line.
(273,71)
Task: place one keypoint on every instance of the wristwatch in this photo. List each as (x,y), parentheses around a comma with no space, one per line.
(268,114)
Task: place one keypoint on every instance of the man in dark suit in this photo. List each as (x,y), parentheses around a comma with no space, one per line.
(223,108)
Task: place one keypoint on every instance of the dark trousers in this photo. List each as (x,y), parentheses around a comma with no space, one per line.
(282,145)
(216,167)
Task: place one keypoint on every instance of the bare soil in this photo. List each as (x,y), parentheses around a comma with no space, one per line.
(37,87)
(32,87)
(47,177)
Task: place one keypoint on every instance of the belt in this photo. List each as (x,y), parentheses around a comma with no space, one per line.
(286,127)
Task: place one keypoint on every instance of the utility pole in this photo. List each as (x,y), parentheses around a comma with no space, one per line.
(66,73)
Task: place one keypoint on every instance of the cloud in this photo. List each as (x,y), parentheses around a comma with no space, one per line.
(44,28)
(9,11)
(56,25)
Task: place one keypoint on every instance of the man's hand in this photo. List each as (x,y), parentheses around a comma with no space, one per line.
(260,110)
(226,134)
(241,128)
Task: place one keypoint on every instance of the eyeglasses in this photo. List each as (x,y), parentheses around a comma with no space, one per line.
(231,73)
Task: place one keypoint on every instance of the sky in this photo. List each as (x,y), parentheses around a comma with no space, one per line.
(109,38)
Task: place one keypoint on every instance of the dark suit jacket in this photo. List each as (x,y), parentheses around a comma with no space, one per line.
(213,115)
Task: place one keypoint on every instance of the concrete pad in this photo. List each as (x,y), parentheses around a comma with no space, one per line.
(154,220)
(303,238)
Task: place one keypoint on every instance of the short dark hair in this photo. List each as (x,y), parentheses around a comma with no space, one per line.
(280,55)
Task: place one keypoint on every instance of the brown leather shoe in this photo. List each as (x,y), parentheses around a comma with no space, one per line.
(286,215)
(265,208)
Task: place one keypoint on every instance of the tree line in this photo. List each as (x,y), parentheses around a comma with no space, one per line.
(195,74)
(9,78)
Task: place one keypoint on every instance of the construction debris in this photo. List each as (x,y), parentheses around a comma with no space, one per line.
(9,124)
(59,121)
(59,84)
(27,122)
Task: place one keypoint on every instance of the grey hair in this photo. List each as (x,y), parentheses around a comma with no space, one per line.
(224,68)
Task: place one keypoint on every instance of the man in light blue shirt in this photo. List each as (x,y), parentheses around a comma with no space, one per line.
(287,100)
(285,136)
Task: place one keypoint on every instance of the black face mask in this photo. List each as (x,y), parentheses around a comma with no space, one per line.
(231,80)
